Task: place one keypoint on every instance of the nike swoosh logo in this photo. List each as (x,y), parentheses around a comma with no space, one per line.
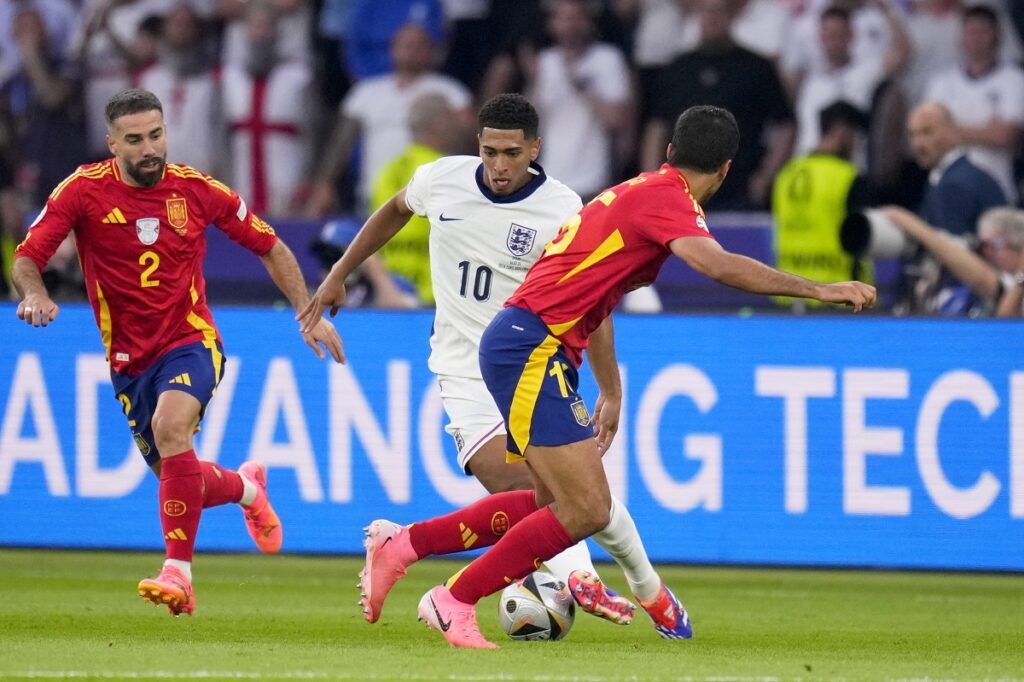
(440,620)
(445,220)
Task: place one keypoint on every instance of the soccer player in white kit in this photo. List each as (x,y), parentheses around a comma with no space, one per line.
(490,218)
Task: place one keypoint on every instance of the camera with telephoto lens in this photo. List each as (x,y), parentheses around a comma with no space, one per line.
(871,233)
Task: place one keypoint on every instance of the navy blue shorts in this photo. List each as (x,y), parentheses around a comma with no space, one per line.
(533,382)
(195,369)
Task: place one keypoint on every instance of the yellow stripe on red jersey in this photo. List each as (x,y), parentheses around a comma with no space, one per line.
(616,243)
(142,252)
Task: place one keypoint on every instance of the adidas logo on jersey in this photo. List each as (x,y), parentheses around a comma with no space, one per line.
(115,217)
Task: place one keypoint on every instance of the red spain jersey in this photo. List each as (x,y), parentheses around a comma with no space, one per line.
(142,250)
(616,243)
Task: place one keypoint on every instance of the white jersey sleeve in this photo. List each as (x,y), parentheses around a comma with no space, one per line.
(481,246)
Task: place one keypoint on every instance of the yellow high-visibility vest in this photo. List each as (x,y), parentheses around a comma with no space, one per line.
(808,206)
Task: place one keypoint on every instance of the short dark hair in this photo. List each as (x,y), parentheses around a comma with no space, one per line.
(840,113)
(133,101)
(509,111)
(836,12)
(704,138)
(981,12)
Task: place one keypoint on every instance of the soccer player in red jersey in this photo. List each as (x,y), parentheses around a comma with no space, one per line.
(530,353)
(140,228)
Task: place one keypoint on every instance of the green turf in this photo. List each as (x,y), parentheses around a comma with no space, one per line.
(75,615)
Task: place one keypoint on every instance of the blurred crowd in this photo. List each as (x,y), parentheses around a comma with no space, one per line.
(318,108)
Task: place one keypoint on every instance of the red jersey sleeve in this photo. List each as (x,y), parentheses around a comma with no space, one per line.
(668,215)
(58,217)
(229,212)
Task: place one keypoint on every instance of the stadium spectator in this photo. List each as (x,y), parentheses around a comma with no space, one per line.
(725,74)
(997,276)
(333,27)
(269,118)
(812,196)
(871,35)
(845,77)
(501,185)
(761,26)
(958,192)
(986,98)
(406,255)
(370,47)
(42,104)
(59,17)
(294,28)
(378,110)
(147,292)
(184,79)
(581,88)
(104,46)
(613,244)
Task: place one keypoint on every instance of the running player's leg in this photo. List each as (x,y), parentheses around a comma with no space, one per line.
(476,425)
(164,407)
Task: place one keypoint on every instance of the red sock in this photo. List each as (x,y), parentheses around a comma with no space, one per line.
(533,540)
(181,503)
(220,486)
(480,524)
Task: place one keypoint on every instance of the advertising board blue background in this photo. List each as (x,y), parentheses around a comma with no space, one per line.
(823,440)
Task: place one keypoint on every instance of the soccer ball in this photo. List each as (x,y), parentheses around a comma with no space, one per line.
(537,607)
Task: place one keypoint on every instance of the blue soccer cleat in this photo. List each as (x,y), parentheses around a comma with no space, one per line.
(670,618)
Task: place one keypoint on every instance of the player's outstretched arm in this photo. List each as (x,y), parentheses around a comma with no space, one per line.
(707,257)
(378,229)
(601,356)
(284,270)
(965,265)
(35,308)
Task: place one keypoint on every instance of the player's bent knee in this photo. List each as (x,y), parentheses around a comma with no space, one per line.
(171,433)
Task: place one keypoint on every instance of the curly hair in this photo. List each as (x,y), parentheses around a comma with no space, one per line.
(509,111)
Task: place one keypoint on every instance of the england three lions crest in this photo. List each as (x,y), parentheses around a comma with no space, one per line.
(520,239)
(148,230)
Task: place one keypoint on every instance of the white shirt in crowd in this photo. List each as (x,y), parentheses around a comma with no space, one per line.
(976,101)
(576,147)
(382,108)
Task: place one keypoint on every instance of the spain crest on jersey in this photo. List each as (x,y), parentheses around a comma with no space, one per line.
(177,214)
(148,230)
(520,239)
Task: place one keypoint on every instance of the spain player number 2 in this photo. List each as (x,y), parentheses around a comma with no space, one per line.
(152,262)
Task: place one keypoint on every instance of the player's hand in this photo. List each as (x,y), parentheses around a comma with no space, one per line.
(855,294)
(324,333)
(606,420)
(38,310)
(331,295)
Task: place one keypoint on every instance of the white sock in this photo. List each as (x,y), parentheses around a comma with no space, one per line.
(576,557)
(248,491)
(621,539)
(184,566)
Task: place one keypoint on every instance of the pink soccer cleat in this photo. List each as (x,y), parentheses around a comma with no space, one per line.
(453,619)
(593,597)
(171,589)
(670,617)
(260,518)
(388,553)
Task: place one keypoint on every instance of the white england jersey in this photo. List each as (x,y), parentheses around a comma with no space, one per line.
(481,246)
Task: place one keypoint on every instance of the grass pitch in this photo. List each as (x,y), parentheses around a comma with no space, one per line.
(75,615)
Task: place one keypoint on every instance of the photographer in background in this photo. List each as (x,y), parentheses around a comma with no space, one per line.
(996,277)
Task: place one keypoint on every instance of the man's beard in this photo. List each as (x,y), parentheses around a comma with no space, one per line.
(146,178)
